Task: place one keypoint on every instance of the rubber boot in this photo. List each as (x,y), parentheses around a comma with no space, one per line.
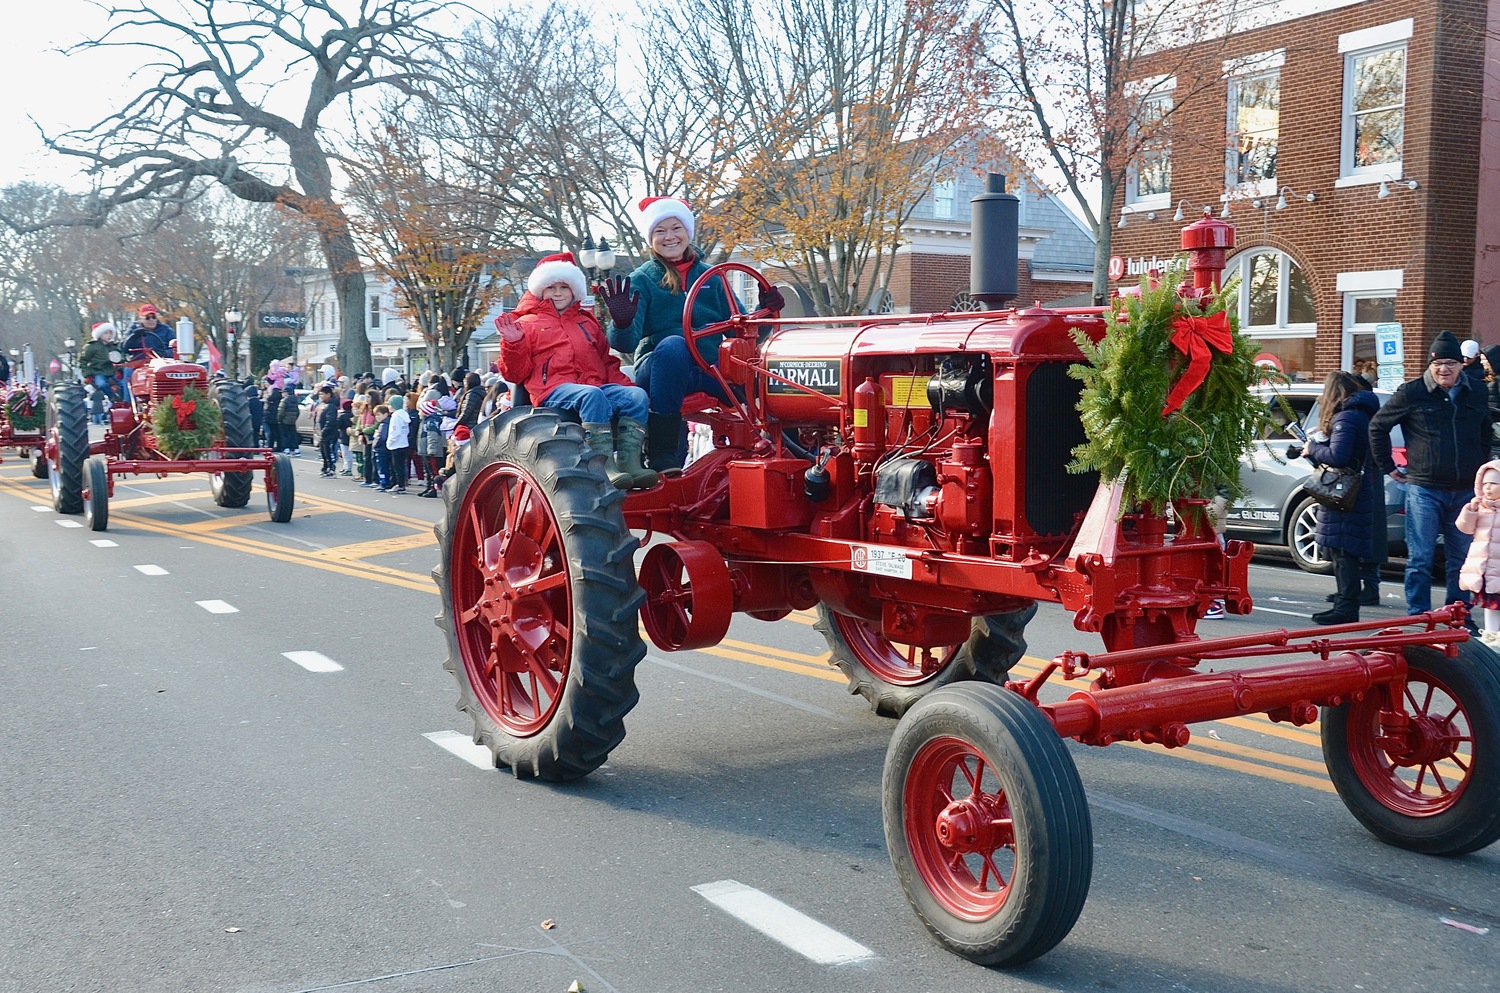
(602,440)
(663,433)
(628,441)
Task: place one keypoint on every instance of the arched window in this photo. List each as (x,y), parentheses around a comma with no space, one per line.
(1276,308)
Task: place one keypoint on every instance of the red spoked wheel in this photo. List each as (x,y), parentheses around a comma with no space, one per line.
(689,595)
(539,596)
(890,675)
(1430,786)
(987,824)
(730,327)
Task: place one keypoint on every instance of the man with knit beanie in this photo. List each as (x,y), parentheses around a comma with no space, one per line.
(1446,424)
(555,348)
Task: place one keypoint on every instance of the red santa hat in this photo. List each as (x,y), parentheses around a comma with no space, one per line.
(461,434)
(559,268)
(103,328)
(654,210)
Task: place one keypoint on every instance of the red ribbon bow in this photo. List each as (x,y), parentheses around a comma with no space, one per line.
(184,413)
(1195,337)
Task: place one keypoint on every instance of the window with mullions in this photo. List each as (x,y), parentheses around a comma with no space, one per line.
(1374,110)
(1275,297)
(1150,173)
(943,198)
(1254,127)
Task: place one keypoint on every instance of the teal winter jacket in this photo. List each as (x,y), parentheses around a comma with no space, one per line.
(659,315)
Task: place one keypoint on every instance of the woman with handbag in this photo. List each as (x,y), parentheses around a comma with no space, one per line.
(1342,442)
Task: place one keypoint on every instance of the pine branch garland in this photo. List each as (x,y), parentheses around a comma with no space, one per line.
(188,434)
(24,410)
(1192,452)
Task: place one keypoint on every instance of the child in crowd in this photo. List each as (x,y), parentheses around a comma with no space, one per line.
(366,425)
(382,455)
(1481,569)
(557,350)
(397,443)
(345,422)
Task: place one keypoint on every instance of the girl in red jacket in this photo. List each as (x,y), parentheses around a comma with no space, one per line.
(556,349)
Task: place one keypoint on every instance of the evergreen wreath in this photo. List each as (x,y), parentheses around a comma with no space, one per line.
(186,424)
(1163,454)
(24,409)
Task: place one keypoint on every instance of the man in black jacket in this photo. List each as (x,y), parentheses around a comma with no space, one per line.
(1446,423)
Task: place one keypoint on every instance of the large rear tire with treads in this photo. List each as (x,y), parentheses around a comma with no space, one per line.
(540,603)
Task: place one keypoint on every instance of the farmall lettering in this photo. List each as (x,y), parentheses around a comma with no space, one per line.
(821,375)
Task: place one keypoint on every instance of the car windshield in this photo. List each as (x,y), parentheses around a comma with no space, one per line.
(1295,404)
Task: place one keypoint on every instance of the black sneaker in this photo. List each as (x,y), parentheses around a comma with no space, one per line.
(1334,617)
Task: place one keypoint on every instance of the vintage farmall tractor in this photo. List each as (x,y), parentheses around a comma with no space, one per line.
(907,477)
(23,423)
(83,472)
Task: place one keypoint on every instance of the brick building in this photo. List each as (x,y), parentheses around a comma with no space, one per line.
(1346,145)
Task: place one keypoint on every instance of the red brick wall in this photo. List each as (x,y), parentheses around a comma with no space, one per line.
(1428,233)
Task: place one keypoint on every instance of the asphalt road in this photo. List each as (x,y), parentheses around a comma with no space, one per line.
(232,762)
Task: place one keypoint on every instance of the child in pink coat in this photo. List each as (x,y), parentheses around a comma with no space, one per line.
(1481,570)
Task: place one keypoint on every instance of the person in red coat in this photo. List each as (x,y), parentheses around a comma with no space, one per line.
(555,348)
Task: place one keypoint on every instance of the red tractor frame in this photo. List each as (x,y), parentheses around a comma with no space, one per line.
(83,472)
(29,442)
(906,476)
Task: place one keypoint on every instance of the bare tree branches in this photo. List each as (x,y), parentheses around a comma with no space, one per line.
(1075,82)
(438,242)
(829,120)
(210,114)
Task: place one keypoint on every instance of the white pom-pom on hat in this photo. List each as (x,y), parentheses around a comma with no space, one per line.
(559,268)
(654,210)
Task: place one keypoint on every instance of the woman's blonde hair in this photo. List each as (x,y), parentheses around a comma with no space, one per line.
(671,279)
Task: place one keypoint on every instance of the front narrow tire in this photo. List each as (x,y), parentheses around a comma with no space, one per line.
(96,494)
(986,824)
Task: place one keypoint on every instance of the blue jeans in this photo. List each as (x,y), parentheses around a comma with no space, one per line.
(669,373)
(599,404)
(1429,513)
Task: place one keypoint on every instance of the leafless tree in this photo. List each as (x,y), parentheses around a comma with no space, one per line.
(833,119)
(55,282)
(222,69)
(421,220)
(1094,89)
(219,254)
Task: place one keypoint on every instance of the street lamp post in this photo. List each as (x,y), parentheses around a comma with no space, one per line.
(70,344)
(232,318)
(596,263)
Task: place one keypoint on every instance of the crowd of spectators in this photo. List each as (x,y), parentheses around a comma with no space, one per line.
(389,431)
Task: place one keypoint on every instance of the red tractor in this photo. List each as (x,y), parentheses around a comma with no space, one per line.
(83,472)
(907,477)
(23,423)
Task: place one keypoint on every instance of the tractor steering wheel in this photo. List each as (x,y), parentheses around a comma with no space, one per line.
(737,318)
